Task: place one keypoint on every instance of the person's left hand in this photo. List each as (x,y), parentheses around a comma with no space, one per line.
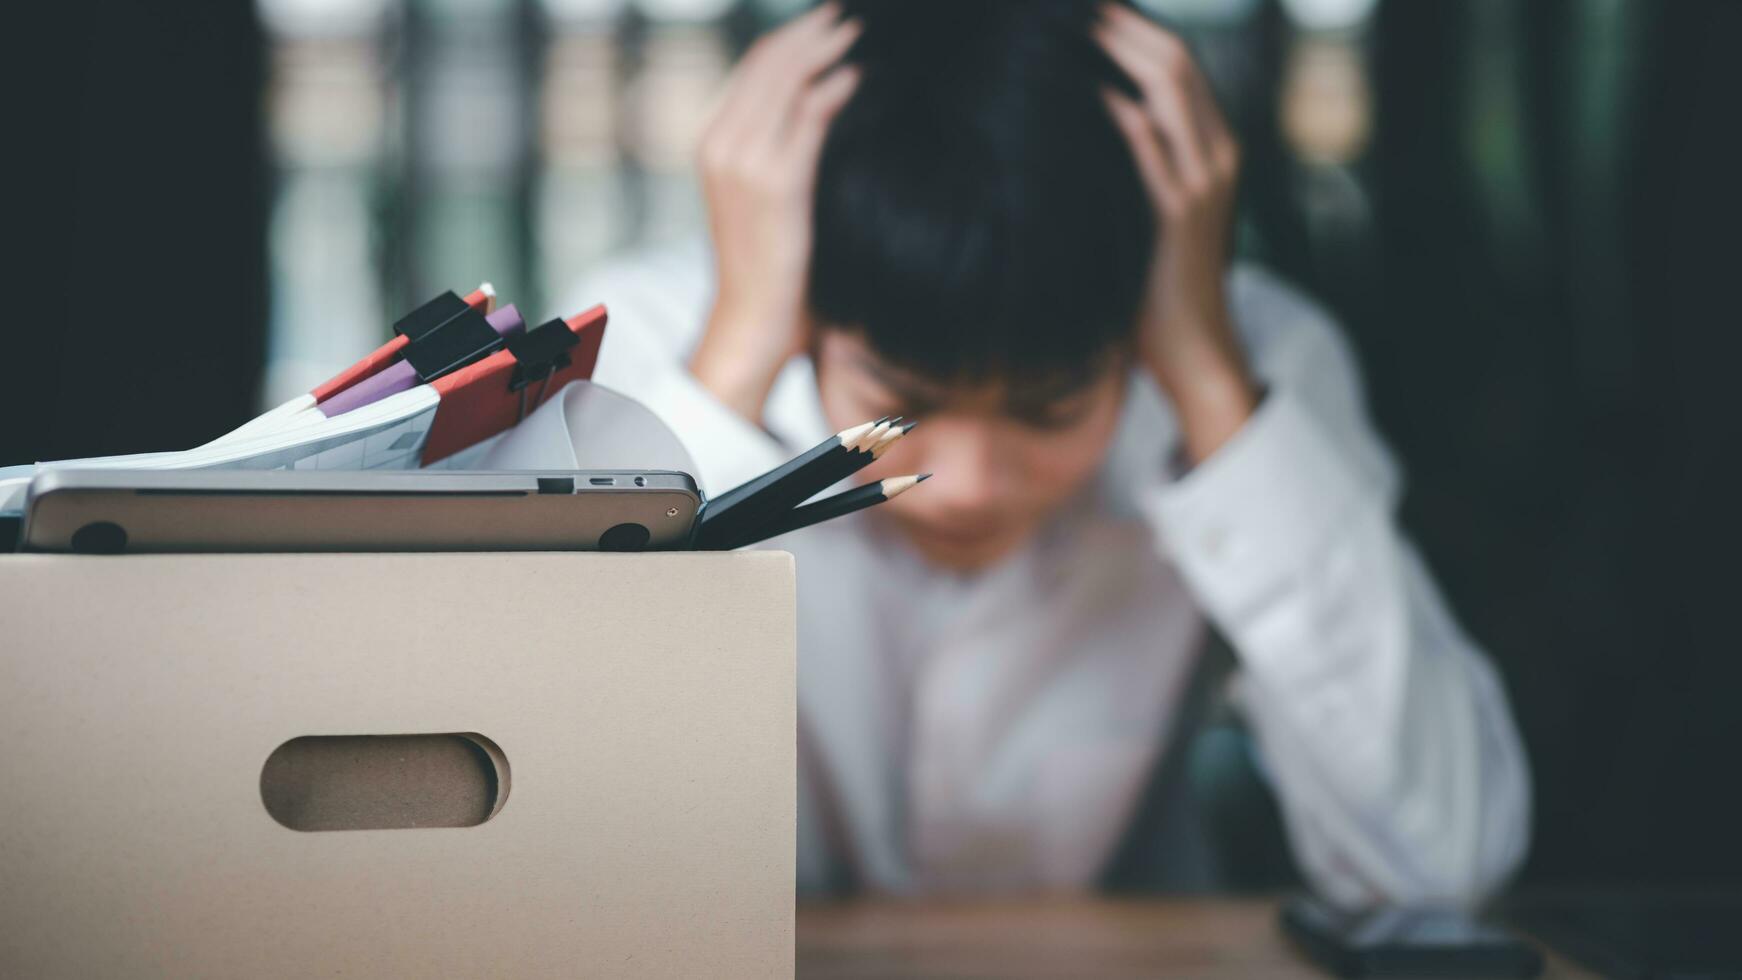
(1189,162)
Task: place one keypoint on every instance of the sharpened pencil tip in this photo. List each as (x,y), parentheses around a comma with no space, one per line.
(850,438)
(909,427)
(882,443)
(923,477)
(896,486)
(868,441)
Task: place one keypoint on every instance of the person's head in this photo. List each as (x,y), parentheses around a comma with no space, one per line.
(981,241)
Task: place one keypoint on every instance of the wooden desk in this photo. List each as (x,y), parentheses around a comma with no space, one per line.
(1054,938)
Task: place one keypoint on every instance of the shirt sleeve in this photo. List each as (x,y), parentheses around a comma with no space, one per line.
(1385,730)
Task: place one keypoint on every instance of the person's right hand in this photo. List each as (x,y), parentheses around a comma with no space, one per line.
(758,167)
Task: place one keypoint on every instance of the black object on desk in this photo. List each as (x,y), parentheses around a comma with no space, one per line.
(1405,943)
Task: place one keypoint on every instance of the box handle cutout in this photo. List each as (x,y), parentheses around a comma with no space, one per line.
(384,782)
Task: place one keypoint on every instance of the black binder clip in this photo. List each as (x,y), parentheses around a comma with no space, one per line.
(444,334)
(539,353)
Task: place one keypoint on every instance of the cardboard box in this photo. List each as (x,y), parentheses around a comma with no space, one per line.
(623,726)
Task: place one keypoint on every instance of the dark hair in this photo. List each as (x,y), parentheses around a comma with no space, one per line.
(978,214)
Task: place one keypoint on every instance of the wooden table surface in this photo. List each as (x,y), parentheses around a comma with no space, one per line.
(1051,938)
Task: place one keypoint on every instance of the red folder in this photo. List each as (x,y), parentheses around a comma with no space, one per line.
(478,401)
(480,299)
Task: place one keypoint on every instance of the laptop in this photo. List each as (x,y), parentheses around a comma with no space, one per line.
(117,511)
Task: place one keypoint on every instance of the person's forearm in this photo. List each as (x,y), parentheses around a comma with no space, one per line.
(1385,731)
(730,363)
(758,163)
(1212,393)
(1394,756)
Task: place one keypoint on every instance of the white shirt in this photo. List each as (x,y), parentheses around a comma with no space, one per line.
(995,731)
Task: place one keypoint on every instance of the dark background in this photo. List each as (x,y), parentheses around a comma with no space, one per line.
(1549,335)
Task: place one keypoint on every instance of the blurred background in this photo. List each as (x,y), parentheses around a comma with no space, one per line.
(1524,211)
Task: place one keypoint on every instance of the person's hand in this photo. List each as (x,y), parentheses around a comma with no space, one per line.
(1189,162)
(758,165)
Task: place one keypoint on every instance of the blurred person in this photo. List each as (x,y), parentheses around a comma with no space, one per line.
(1010,219)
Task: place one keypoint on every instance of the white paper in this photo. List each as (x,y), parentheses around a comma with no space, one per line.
(589,427)
(389,434)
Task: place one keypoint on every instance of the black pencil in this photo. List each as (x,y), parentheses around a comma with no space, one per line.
(779,499)
(739,510)
(872,447)
(840,505)
(847,438)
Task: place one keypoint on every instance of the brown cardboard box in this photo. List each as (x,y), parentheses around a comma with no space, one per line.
(629,721)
